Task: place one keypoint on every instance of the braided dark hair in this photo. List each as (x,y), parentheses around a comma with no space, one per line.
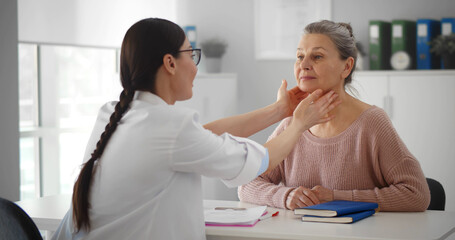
(143,49)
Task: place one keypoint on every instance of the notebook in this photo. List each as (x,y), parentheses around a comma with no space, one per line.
(233,217)
(335,208)
(348,218)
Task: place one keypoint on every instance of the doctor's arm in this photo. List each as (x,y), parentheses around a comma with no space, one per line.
(310,111)
(247,124)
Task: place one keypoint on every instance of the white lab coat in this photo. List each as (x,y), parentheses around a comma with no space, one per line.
(148,181)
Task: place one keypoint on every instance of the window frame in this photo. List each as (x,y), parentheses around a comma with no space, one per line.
(46,131)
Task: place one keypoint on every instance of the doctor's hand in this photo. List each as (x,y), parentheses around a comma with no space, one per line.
(301,197)
(314,109)
(289,99)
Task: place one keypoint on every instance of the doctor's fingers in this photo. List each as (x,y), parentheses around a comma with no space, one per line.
(324,102)
(297,94)
(296,91)
(301,95)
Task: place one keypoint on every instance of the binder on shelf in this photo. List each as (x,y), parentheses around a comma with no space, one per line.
(190,32)
(427,29)
(404,43)
(447,26)
(380,45)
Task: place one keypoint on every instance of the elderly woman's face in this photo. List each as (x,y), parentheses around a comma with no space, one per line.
(318,64)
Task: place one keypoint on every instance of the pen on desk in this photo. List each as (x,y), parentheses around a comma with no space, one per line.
(229,208)
(269,215)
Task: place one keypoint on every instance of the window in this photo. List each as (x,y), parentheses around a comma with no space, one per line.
(61,90)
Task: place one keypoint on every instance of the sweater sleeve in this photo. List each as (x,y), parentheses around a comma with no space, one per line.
(268,188)
(405,188)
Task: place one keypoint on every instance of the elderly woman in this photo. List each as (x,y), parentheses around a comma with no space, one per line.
(356,156)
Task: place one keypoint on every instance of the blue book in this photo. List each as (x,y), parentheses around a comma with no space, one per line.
(336,208)
(427,29)
(348,218)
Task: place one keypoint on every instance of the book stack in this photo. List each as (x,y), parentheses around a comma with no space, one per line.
(337,211)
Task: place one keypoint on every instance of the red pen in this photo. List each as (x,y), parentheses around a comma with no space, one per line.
(269,215)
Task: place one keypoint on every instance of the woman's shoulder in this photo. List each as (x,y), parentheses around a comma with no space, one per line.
(375,121)
(375,114)
(281,127)
(365,110)
(284,123)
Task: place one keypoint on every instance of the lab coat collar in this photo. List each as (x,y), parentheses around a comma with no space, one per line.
(149,97)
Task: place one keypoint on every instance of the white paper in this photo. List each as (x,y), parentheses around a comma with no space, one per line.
(229,216)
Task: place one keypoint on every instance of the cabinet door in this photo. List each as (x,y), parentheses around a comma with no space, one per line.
(371,89)
(424,116)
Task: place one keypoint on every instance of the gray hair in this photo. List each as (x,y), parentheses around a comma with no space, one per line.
(341,35)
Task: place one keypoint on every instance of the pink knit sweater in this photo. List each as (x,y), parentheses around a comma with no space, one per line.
(366,162)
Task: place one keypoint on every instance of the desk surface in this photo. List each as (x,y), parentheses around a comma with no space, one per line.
(47,213)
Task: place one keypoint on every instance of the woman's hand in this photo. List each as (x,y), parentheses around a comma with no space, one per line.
(301,197)
(289,99)
(322,193)
(314,109)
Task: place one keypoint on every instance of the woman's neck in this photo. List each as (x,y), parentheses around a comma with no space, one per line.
(345,114)
(162,87)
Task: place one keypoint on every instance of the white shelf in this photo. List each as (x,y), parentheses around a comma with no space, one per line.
(437,72)
(216,75)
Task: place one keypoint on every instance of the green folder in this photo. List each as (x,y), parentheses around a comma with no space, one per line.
(380,45)
(404,39)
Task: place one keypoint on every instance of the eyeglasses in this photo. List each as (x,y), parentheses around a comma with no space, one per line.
(196,54)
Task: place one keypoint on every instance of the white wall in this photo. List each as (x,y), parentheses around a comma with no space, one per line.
(9,102)
(86,22)
(259,80)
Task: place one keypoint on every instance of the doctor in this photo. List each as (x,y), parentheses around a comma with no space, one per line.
(143,179)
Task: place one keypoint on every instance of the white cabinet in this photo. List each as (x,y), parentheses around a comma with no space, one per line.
(421,105)
(214,97)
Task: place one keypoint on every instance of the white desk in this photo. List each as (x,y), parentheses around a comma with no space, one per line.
(47,213)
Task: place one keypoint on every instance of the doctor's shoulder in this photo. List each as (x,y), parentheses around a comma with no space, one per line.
(170,115)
